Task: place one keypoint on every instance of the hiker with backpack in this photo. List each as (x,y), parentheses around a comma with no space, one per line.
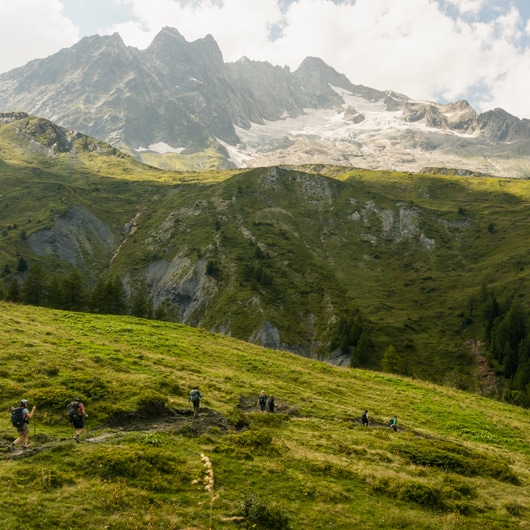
(392,423)
(262,402)
(20,417)
(270,404)
(195,398)
(364,418)
(77,414)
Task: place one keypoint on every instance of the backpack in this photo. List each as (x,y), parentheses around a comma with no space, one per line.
(194,396)
(262,399)
(72,409)
(18,418)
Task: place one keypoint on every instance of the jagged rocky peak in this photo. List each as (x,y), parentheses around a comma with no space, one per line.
(169,43)
(179,60)
(314,79)
(95,44)
(317,73)
(427,113)
(500,125)
(461,116)
(458,116)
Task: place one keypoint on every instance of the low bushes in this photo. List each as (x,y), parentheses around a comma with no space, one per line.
(450,496)
(260,514)
(455,458)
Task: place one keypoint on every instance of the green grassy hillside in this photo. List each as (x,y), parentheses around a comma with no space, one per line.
(301,250)
(457,461)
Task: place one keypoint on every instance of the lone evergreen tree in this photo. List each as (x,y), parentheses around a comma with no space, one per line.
(22,265)
(13,292)
(392,361)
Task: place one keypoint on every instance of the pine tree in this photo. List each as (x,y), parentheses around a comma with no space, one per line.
(108,297)
(72,292)
(22,265)
(363,351)
(142,304)
(34,287)
(392,361)
(13,292)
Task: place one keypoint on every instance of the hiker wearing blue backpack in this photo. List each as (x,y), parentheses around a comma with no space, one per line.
(20,417)
(195,398)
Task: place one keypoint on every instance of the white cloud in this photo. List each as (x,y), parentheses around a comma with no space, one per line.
(426,49)
(240,27)
(31,29)
(411,46)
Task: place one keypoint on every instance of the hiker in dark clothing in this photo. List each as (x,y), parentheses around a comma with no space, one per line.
(21,426)
(270,404)
(364,418)
(77,417)
(392,423)
(262,401)
(195,398)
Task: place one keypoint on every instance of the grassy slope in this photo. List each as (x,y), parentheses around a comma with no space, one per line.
(319,262)
(461,461)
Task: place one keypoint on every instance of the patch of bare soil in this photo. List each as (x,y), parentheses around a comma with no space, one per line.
(180,420)
(158,420)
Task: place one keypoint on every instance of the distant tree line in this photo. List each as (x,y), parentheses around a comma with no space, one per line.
(71,292)
(507,338)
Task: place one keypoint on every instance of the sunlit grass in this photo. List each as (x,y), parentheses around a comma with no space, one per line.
(310,464)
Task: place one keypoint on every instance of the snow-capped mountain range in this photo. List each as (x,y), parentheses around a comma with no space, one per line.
(177,104)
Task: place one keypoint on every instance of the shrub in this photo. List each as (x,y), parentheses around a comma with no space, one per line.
(234,452)
(237,419)
(421,493)
(269,420)
(152,438)
(131,462)
(51,404)
(251,439)
(433,457)
(259,514)
(455,458)
(151,405)
(42,478)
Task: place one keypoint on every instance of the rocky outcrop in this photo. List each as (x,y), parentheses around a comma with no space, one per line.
(77,237)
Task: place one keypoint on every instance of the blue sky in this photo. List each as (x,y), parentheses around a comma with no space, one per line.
(439,50)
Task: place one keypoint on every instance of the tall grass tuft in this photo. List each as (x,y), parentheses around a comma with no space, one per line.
(208,484)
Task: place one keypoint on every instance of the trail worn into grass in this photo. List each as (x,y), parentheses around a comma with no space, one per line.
(180,420)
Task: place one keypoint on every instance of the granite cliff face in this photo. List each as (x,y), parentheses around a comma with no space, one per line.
(178,100)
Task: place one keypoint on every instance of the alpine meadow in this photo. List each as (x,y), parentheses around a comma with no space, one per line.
(336,289)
